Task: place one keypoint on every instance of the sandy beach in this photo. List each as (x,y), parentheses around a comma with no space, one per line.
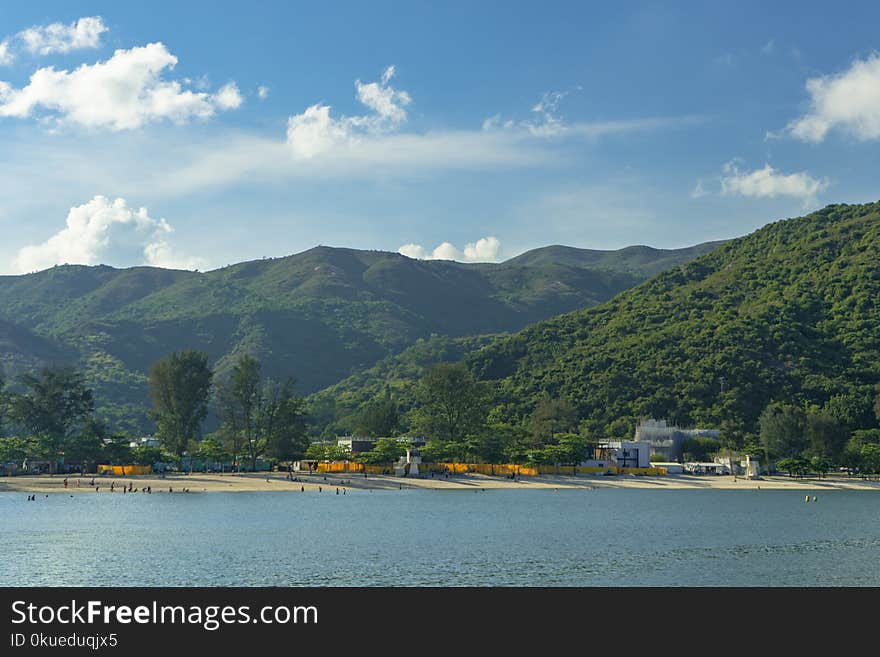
(278,482)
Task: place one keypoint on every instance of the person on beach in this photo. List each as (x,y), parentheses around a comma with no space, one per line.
(65,482)
(302,489)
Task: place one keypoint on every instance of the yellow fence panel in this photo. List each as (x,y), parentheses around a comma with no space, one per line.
(125,470)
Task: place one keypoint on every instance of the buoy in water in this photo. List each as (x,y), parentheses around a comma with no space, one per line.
(814,498)
(807,498)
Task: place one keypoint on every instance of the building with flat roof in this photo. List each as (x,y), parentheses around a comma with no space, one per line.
(356,445)
(622,453)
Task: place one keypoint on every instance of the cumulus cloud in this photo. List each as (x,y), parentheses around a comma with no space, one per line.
(847,101)
(768,182)
(315,131)
(6,54)
(228,97)
(106,232)
(124,92)
(262,92)
(60,38)
(483,250)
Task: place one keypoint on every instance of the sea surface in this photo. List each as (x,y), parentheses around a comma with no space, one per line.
(605,537)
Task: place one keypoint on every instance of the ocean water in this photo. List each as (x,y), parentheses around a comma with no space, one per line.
(604,537)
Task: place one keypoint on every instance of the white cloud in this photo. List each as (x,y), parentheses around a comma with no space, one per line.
(6,54)
(768,48)
(60,38)
(108,232)
(548,123)
(848,101)
(483,250)
(387,102)
(228,97)
(124,92)
(262,92)
(768,182)
(315,132)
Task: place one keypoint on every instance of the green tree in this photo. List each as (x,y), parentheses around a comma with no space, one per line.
(16,449)
(870,459)
(87,446)
(551,417)
(386,450)
(826,436)
(117,449)
(378,419)
(179,386)
(212,450)
(53,408)
(143,455)
(280,424)
(783,430)
(820,465)
(699,448)
(322,452)
(239,397)
(795,466)
(453,403)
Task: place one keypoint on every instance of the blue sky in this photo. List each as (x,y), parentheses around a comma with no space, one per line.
(137,134)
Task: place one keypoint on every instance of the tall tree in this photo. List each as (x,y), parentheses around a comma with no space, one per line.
(378,419)
(282,419)
(453,403)
(53,408)
(239,397)
(783,430)
(552,417)
(826,436)
(179,388)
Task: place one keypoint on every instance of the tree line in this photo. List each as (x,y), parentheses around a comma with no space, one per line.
(51,415)
(463,419)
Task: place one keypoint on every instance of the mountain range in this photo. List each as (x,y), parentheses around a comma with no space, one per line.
(789,313)
(319,316)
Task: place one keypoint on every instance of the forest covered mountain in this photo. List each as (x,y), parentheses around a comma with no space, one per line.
(318,316)
(789,313)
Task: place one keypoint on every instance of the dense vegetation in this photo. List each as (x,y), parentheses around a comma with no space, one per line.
(51,418)
(322,314)
(787,315)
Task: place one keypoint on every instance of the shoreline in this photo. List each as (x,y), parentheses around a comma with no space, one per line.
(278,482)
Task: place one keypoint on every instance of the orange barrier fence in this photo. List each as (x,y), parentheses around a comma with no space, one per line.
(125,470)
(491,469)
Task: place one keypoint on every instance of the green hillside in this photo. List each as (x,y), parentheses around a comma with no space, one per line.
(789,313)
(319,316)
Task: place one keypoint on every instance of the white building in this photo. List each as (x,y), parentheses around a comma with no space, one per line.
(630,453)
